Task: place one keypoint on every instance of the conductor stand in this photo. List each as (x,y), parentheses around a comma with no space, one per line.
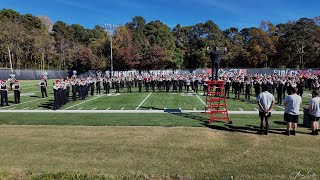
(216,99)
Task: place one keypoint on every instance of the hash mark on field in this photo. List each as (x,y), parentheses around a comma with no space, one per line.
(11,108)
(122,108)
(25,108)
(255,109)
(194,109)
(39,108)
(108,108)
(201,100)
(79,108)
(280,107)
(83,102)
(240,109)
(94,108)
(150,109)
(143,101)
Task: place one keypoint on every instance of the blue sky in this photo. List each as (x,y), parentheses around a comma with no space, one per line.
(225,13)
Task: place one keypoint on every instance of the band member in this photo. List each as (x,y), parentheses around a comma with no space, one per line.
(4,93)
(108,84)
(280,85)
(140,84)
(147,83)
(205,86)
(227,87)
(56,94)
(16,91)
(74,89)
(188,82)
(248,89)
(98,85)
(129,84)
(11,80)
(153,84)
(117,84)
(180,84)
(43,88)
(91,85)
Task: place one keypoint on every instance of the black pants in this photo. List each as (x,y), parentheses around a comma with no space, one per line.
(98,88)
(279,97)
(248,94)
(44,91)
(216,67)
(227,92)
(4,98)
(108,88)
(92,89)
(237,93)
(16,96)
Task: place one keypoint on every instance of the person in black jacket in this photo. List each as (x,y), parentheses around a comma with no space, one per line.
(215,57)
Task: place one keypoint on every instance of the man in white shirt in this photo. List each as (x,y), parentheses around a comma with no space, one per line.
(291,112)
(266,103)
(314,112)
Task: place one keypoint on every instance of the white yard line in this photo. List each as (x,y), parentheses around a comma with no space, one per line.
(143,101)
(201,100)
(122,108)
(127,111)
(94,108)
(194,109)
(25,102)
(83,102)
(241,109)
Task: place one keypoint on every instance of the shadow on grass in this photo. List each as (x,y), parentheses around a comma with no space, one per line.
(222,126)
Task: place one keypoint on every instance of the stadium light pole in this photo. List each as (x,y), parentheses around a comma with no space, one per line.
(110,28)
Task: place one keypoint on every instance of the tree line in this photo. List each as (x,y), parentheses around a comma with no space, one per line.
(34,42)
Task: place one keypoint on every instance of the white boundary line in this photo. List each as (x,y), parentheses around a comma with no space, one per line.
(143,101)
(129,111)
(201,100)
(83,102)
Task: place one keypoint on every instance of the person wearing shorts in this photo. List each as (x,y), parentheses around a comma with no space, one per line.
(291,113)
(266,102)
(314,112)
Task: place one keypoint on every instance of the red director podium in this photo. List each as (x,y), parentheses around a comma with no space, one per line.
(216,102)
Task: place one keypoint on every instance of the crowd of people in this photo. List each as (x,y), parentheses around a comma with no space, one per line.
(257,86)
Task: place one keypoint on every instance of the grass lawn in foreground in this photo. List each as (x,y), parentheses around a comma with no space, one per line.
(154,152)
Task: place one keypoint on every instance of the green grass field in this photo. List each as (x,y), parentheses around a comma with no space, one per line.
(148,146)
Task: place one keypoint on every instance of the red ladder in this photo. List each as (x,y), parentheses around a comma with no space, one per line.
(216,102)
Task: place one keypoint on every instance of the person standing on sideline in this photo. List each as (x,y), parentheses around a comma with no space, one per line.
(291,112)
(266,103)
(16,91)
(314,112)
